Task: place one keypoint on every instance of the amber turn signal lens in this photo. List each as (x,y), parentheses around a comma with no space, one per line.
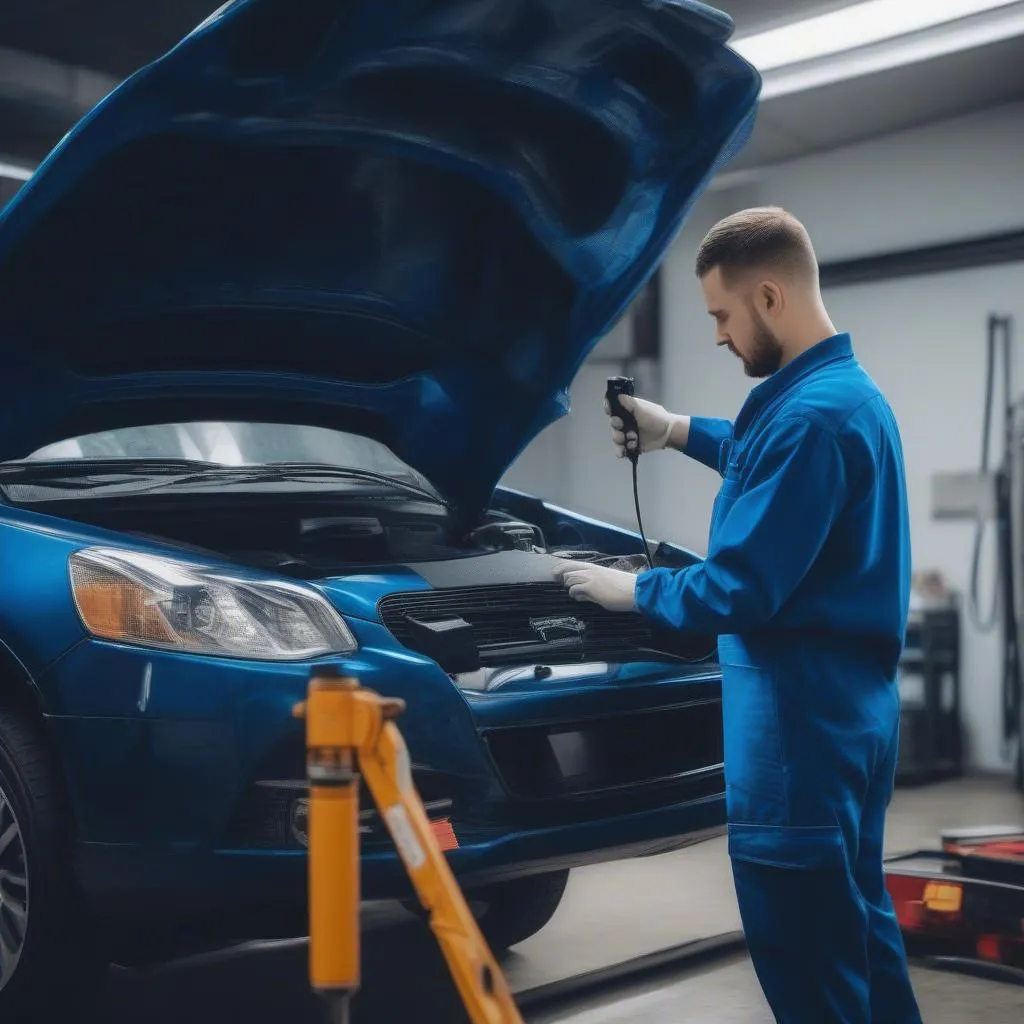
(121,610)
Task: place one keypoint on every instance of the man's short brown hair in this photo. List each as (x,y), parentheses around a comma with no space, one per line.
(761,238)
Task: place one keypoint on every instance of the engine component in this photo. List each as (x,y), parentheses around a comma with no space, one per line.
(508,535)
(449,641)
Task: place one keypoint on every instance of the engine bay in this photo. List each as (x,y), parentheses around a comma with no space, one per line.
(318,535)
(491,601)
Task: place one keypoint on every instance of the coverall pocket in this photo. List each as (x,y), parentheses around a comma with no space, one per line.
(754,778)
(796,847)
(724,500)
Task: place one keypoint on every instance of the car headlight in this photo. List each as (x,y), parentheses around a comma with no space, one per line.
(137,598)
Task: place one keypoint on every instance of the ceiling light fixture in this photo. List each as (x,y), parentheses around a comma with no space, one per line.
(874,36)
(861,24)
(15,172)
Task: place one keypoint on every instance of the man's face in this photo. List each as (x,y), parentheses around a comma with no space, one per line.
(739,325)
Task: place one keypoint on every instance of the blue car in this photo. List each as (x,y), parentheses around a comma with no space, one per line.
(275,319)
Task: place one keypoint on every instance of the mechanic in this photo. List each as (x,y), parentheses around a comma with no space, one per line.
(807,583)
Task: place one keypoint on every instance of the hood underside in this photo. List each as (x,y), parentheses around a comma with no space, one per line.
(412,220)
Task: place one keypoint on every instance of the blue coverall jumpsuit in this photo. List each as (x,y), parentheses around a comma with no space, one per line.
(807,584)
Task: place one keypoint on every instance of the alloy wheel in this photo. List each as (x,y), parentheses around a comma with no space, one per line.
(13,891)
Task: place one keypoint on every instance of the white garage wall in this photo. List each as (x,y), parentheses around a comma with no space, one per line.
(573,463)
(947,180)
(922,338)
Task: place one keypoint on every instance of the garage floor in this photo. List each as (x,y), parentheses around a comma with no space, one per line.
(728,993)
(611,913)
(689,895)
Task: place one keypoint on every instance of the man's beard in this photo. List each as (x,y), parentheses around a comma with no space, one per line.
(765,355)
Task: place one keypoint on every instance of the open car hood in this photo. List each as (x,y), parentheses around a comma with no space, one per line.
(408,219)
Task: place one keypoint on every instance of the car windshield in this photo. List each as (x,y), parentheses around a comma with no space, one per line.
(236,444)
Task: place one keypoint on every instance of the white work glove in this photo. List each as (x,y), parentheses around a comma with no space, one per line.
(612,589)
(654,422)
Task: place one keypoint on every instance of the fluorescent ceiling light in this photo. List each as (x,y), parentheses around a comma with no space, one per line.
(872,37)
(15,172)
(862,24)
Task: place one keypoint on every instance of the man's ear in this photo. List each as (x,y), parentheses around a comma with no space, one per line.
(770,298)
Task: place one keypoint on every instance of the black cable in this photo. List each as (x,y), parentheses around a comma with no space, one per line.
(1012,680)
(639,518)
(986,625)
(618,387)
(1000,342)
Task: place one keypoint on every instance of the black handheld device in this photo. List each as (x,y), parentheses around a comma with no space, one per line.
(618,386)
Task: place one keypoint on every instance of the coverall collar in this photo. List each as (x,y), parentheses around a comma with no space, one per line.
(830,350)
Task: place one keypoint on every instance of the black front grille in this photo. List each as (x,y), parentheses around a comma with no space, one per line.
(614,752)
(523,621)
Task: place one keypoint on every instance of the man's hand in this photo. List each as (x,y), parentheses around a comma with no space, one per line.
(612,589)
(657,426)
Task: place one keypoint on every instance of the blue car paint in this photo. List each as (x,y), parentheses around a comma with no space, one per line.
(562,526)
(484,302)
(239,711)
(95,692)
(158,879)
(157,746)
(158,781)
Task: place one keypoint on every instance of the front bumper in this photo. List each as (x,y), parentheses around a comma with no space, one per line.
(135,882)
(168,761)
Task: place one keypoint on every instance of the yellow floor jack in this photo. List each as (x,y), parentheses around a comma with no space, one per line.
(350,731)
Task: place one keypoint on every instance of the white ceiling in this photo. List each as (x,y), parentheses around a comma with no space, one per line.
(801,123)
(788,126)
(758,15)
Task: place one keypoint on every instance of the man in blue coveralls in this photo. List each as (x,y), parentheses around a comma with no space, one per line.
(807,584)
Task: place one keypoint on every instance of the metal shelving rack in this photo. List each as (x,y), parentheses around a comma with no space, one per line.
(931,744)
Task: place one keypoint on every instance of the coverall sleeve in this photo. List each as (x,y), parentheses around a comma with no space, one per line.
(790,495)
(704,442)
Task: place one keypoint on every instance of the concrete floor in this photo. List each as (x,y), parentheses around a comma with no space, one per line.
(728,993)
(610,913)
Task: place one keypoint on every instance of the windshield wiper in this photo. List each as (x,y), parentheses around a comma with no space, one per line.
(175,472)
(53,471)
(281,471)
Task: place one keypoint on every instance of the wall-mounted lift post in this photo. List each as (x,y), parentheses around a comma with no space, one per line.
(995,494)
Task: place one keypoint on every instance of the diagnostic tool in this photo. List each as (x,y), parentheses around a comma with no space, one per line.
(618,386)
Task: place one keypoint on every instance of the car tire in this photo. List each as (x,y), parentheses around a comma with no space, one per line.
(50,964)
(510,912)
